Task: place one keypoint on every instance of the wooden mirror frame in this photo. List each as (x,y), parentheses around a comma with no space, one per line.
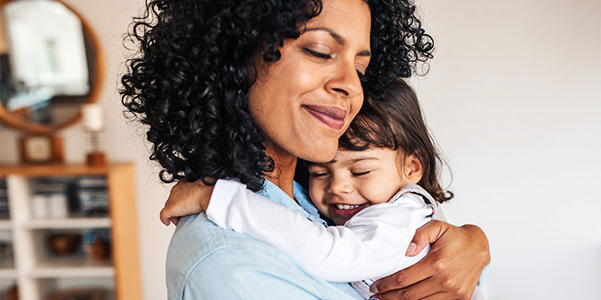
(97,74)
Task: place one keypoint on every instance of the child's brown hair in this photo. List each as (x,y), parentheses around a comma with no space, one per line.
(394,120)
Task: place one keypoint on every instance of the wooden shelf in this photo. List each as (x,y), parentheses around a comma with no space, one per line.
(5,225)
(8,274)
(72,272)
(58,169)
(69,223)
(32,268)
(72,267)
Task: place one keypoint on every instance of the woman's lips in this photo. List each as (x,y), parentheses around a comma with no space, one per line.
(346,210)
(332,117)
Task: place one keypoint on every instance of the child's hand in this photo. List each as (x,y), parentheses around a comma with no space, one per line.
(186,198)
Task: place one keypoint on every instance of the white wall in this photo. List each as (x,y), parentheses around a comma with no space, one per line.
(514,100)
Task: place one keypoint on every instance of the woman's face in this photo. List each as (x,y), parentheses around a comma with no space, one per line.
(306,100)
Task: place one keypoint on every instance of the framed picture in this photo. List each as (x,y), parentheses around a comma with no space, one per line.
(40,149)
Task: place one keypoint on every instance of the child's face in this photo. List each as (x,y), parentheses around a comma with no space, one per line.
(355,179)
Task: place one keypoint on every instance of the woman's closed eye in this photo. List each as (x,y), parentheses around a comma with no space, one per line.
(361,75)
(361,67)
(317,54)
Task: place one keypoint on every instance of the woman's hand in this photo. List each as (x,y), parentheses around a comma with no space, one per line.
(450,271)
(186,198)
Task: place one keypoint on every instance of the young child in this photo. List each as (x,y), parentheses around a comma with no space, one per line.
(380,187)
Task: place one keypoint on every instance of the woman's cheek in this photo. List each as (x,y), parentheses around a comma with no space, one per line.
(322,154)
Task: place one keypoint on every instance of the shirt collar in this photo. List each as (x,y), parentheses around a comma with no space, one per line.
(304,205)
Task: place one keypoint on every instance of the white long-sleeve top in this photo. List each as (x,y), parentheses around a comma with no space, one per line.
(370,245)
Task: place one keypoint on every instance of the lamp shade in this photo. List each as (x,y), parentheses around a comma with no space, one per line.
(93,117)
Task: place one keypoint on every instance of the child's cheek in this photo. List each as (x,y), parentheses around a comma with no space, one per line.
(316,193)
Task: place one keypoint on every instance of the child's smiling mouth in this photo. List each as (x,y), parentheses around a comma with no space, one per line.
(346,211)
(346,206)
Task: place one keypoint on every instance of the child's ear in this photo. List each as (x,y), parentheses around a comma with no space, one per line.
(413,169)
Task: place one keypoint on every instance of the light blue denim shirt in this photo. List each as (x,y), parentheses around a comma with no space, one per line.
(208,262)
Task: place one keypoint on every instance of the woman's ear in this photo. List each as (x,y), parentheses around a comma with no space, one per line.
(413,169)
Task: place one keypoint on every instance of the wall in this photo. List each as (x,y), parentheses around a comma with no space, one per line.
(514,100)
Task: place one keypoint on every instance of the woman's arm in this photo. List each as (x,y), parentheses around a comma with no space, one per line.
(450,271)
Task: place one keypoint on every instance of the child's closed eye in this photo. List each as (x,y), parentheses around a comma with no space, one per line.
(361,173)
(318,174)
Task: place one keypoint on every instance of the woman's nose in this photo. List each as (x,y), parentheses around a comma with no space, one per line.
(345,81)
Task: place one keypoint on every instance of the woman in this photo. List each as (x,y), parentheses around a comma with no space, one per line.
(242,90)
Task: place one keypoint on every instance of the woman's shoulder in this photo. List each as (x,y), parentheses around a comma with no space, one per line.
(196,238)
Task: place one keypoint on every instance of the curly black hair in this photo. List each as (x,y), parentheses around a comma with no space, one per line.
(192,68)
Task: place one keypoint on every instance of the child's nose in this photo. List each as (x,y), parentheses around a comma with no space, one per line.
(339,185)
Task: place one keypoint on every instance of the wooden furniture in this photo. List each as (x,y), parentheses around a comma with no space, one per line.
(37,273)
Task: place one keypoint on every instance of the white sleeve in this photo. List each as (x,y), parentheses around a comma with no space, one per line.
(372,244)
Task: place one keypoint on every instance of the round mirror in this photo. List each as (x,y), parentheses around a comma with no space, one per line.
(50,65)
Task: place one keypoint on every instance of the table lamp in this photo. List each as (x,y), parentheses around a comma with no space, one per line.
(93,122)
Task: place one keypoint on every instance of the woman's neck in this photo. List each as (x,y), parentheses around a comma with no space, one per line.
(284,168)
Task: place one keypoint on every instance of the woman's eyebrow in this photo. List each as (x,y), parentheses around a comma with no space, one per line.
(339,39)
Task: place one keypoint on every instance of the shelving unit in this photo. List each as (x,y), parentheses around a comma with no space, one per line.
(37,273)
(4,225)
(71,223)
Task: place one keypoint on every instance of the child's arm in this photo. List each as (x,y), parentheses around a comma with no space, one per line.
(372,244)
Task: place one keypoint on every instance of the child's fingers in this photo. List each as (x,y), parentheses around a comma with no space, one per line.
(165,216)
(172,211)
(168,214)
(185,198)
